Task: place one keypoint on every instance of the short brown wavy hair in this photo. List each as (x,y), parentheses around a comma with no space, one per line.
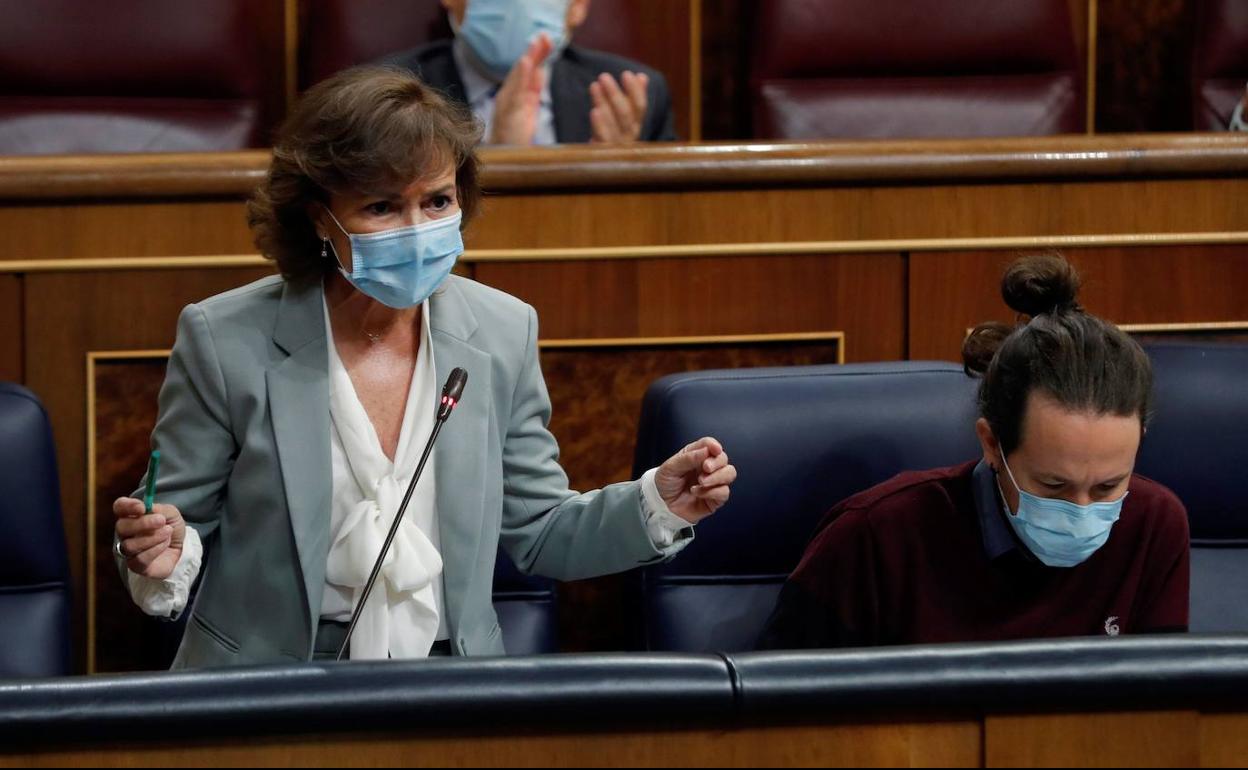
(366,129)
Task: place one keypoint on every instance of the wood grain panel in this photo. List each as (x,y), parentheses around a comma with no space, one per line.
(133,229)
(1142,47)
(86,178)
(951,292)
(125,390)
(1078,10)
(269,18)
(673,166)
(919,744)
(67,315)
(1144,739)
(726,38)
(860,294)
(666,42)
(11,368)
(574,300)
(1223,740)
(1141,739)
(883,212)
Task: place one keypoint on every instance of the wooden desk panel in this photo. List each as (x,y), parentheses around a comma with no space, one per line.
(918,744)
(1140,739)
(11,328)
(859,294)
(1223,740)
(111,230)
(1189,286)
(848,214)
(1143,739)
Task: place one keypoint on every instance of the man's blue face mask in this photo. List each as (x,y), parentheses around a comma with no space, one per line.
(499,31)
(1058,532)
(401,267)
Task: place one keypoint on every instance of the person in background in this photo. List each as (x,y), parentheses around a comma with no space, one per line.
(1239,118)
(512,62)
(1049,534)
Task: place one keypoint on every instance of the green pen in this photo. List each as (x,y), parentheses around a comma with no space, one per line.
(149,496)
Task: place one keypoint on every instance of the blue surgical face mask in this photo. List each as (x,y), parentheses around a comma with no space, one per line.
(1058,532)
(499,31)
(400,268)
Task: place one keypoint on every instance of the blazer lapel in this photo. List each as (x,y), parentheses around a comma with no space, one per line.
(462,447)
(298,392)
(440,71)
(569,96)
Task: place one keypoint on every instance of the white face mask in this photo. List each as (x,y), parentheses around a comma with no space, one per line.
(401,267)
(1058,532)
(500,31)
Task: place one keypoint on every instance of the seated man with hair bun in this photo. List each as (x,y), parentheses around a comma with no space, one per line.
(1050,534)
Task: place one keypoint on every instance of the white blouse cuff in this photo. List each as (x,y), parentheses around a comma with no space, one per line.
(663,526)
(167,598)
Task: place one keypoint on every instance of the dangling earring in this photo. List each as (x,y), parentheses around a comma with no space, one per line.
(324,248)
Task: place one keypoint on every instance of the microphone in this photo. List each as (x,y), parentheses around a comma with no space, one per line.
(451,393)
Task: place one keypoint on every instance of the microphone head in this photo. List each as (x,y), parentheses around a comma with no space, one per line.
(455,383)
(451,392)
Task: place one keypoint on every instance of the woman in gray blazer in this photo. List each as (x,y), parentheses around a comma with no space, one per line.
(294,410)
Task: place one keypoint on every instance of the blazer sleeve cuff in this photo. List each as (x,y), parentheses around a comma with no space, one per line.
(668,532)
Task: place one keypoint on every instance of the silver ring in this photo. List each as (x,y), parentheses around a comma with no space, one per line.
(117,549)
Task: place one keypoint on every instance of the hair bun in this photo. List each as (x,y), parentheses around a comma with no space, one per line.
(981,345)
(1039,284)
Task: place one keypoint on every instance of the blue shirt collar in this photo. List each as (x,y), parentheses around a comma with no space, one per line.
(998,539)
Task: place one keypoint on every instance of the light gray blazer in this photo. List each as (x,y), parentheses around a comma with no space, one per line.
(244,438)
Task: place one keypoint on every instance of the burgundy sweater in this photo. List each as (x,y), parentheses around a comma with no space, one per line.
(929,557)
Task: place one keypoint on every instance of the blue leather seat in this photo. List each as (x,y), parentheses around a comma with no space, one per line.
(802,439)
(34,568)
(527,609)
(1197,446)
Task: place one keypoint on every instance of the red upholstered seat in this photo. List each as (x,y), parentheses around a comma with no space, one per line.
(129,76)
(1220,66)
(923,68)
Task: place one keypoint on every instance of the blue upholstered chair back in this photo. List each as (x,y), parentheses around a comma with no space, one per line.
(34,568)
(1197,446)
(527,609)
(802,439)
